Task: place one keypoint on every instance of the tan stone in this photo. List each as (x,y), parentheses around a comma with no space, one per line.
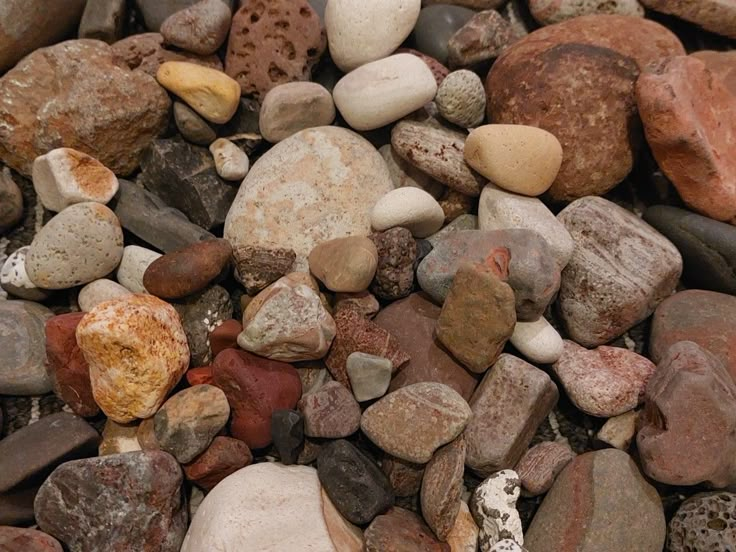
(464,534)
(345,536)
(345,264)
(291,107)
(619,431)
(119,438)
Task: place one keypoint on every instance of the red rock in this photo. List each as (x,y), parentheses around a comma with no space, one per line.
(200,375)
(273,46)
(405,477)
(67,368)
(225,336)
(442,488)
(689,118)
(15,539)
(687,430)
(364,302)
(481,39)
(541,464)
(255,387)
(400,530)
(721,64)
(713,15)
(224,456)
(330,412)
(438,70)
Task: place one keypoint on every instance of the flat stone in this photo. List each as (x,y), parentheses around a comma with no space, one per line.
(461,99)
(294,106)
(223,457)
(410,208)
(200,28)
(538,341)
(483,38)
(442,487)
(119,438)
(703,521)
(103,20)
(27,540)
(493,505)
(99,291)
(191,126)
(619,431)
(436,25)
(548,13)
(257,267)
(11,201)
(369,375)
(287,431)
(14,278)
(712,15)
(330,412)
(133,265)
(397,252)
(540,466)
(345,264)
(146,52)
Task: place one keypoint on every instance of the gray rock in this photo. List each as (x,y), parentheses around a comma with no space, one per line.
(103,20)
(704,522)
(435,27)
(463,222)
(155,12)
(200,28)
(193,127)
(287,431)
(200,314)
(370,375)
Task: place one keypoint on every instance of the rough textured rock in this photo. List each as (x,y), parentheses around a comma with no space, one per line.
(287,431)
(397,252)
(442,487)
(484,37)
(461,98)
(27,540)
(712,15)
(703,522)
(493,505)
(224,456)
(146,52)
(541,464)
(547,12)
(400,530)
(200,28)
(405,477)
(330,412)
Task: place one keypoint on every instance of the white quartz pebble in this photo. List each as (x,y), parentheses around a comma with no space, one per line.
(133,265)
(231,162)
(538,341)
(411,208)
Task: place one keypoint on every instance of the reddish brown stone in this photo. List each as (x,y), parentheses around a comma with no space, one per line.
(717,16)
(330,412)
(225,336)
(397,252)
(224,456)
(689,118)
(482,38)
(400,530)
(273,46)
(200,375)
(442,487)
(257,267)
(15,539)
(541,464)
(255,387)
(405,477)
(439,71)
(721,64)
(146,435)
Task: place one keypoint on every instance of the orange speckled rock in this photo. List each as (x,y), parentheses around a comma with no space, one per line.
(137,351)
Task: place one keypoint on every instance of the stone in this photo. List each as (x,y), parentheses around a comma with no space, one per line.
(345,264)
(620,270)
(356,333)
(103,20)
(364,302)
(399,530)
(397,251)
(483,38)
(463,536)
(225,336)
(344,535)
(264,506)
(133,266)
(472,4)
(66,367)
(711,15)
(155,12)
(686,427)
(188,421)
(191,126)
(605,381)
(436,25)
(463,222)
(199,314)
(294,106)
(613,505)
(619,431)
(507,545)
(330,412)
(369,375)
(99,291)
(704,521)
(287,321)
(137,352)
(722,64)
(118,438)
(454,204)
(223,457)
(384,91)
(22,340)
(670,106)
(538,341)
(438,70)
(414,421)
(493,505)
(44,101)
(111,494)
(548,13)
(14,278)
(146,435)
(510,403)
(461,99)
(410,208)
(541,464)
(11,201)
(438,152)
(146,52)
(358,33)
(287,432)
(231,162)
(328,179)
(405,477)
(405,174)
(442,486)
(255,387)
(27,540)
(271,47)
(257,267)
(201,28)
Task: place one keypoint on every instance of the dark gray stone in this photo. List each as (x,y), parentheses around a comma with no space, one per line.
(707,246)
(435,27)
(319,7)
(424,248)
(191,126)
(200,314)
(184,176)
(103,20)
(287,431)
(155,12)
(355,484)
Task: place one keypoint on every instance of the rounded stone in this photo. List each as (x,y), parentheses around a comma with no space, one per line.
(132,267)
(713,15)
(538,341)
(14,539)
(99,291)
(461,99)
(191,126)
(231,162)
(704,522)
(201,28)
(547,12)
(224,456)
(410,208)
(294,106)
(345,264)
(14,278)
(330,412)
(11,201)
(436,25)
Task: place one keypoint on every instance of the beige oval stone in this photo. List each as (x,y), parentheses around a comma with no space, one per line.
(410,208)
(294,106)
(345,264)
(517,158)
(98,292)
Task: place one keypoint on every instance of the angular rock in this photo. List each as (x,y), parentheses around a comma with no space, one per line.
(619,431)
(200,28)
(369,375)
(442,487)
(11,201)
(712,15)
(541,464)
(14,278)
(146,52)
(396,250)
(199,314)
(345,264)
(103,20)
(287,432)
(483,38)
(99,291)
(257,267)
(27,540)
(493,505)
(703,521)
(464,535)
(330,412)
(436,25)
(364,303)
(224,456)
(294,106)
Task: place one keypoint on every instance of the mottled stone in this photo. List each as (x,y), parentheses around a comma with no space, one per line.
(224,456)
(287,432)
(199,313)
(540,465)
(483,38)
(712,15)
(493,505)
(405,477)
(146,52)
(436,25)
(330,412)
(400,530)
(14,278)
(721,64)
(442,487)
(396,250)
(703,522)
(11,201)
(200,28)
(365,303)
(257,267)
(119,438)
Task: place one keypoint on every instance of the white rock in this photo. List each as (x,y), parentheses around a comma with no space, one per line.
(384,91)
(98,292)
(14,278)
(493,506)
(370,375)
(507,545)
(231,162)
(65,176)
(538,341)
(619,431)
(411,208)
(501,210)
(133,265)
(405,174)
(361,31)
(264,507)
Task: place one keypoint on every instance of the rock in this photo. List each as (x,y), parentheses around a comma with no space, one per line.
(493,505)
(137,352)
(508,406)
(358,33)
(461,99)
(294,106)
(397,253)
(271,47)
(538,341)
(66,367)
(255,388)
(620,510)
(464,534)
(222,458)
(341,177)
(436,25)
(137,489)
(199,314)
(548,13)
(410,208)
(384,91)
(438,70)
(146,435)
(507,545)
(414,421)
(619,431)
(99,291)
(22,341)
(703,521)
(405,174)
(463,222)
(133,266)
(437,152)
(30,454)
(287,431)
(44,99)
(225,336)
(155,12)
(442,486)
(231,162)
(399,530)
(483,38)
(355,484)
(690,405)
(191,126)
(712,15)
(454,204)
(541,464)
(27,540)
(330,412)
(118,438)
(344,535)
(669,106)
(103,20)
(14,278)
(720,64)
(188,270)
(200,28)
(364,303)
(369,375)
(146,52)
(345,264)
(405,477)
(11,201)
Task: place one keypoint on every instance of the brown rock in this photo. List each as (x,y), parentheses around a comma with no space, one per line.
(364,303)
(11,201)
(119,438)
(397,253)
(294,106)
(438,70)
(15,539)
(147,53)
(224,456)
(713,15)
(44,104)
(274,46)
(225,336)
(454,204)
(687,116)
(201,28)
(721,64)
(257,267)
(442,487)
(345,264)
(400,530)
(405,477)
(541,464)
(330,412)
(146,434)
(484,37)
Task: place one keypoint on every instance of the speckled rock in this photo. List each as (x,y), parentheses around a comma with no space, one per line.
(405,477)
(99,291)
(493,505)
(224,456)
(712,15)
(399,530)
(547,12)
(461,99)
(483,38)
(397,251)
(14,278)
(436,25)
(200,28)
(14,539)
(146,52)
(256,267)
(345,264)
(330,412)
(541,464)
(133,265)
(703,522)
(11,201)
(442,487)
(364,302)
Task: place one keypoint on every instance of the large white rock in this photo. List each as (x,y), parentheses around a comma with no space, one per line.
(360,31)
(493,506)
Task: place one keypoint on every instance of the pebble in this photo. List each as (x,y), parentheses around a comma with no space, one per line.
(405,477)
(360,32)
(99,291)
(540,465)
(442,486)
(548,13)
(133,266)
(464,534)
(370,375)
(436,25)
(510,403)
(201,28)
(397,253)
(199,313)
(620,270)
(703,522)
(231,162)
(27,540)
(92,503)
(330,412)
(191,126)
(22,341)
(619,431)
(124,340)
(461,99)
(257,267)
(414,421)
(538,341)
(223,457)
(400,529)
(493,505)
(14,278)
(146,52)
(103,20)
(118,438)
(483,38)
(255,387)
(155,12)
(294,106)
(686,432)
(615,508)
(712,15)
(384,91)
(11,201)
(410,208)
(405,174)
(346,264)
(287,432)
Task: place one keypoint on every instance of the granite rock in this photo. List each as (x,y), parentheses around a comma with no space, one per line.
(224,456)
